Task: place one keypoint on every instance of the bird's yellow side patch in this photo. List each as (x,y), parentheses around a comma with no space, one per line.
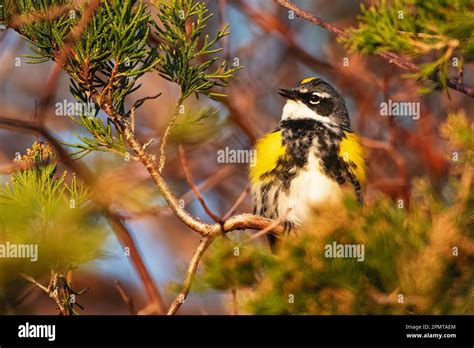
(309,79)
(269,149)
(353,154)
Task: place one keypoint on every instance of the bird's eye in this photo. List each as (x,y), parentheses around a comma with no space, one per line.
(314,99)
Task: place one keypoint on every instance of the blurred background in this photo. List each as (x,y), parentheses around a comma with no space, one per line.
(276,50)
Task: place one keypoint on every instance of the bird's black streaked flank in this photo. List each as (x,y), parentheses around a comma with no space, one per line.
(308,159)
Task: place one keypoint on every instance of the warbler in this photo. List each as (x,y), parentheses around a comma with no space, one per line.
(309,158)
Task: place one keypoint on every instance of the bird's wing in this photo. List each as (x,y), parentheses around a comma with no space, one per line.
(353,154)
(269,149)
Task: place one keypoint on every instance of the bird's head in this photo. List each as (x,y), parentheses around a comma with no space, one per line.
(314,98)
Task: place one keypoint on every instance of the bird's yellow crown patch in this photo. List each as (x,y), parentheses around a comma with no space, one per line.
(308,80)
(269,149)
(352,152)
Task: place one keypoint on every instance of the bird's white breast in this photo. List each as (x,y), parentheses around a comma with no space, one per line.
(309,188)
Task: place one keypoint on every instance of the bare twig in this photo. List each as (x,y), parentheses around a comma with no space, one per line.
(52,290)
(189,178)
(140,101)
(268,228)
(166,135)
(234,305)
(237,203)
(192,268)
(210,182)
(126,239)
(35,282)
(126,297)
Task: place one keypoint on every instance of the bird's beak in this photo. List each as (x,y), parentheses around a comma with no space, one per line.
(288,94)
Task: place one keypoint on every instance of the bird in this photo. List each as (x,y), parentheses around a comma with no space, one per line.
(308,159)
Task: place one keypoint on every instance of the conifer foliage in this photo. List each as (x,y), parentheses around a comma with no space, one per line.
(440,34)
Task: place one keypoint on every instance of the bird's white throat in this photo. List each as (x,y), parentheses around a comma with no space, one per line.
(296,109)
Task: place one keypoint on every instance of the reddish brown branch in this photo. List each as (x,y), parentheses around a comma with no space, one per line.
(391,57)
(192,184)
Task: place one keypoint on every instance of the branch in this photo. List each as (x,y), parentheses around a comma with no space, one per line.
(126,239)
(253,222)
(243,221)
(126,297)
(52,289)
(208,231)
(234,223)
(63,55)
(210,182)
(118,227)
(189,178)
(166,135)
(149,162)
(237,203)
(234,304)
(311,18)
(391,57)
(267,229)
(192,268)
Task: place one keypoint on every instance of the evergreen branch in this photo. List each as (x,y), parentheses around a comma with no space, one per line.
(102,140)
(106,78)
(63,55)
(391,57)
(120,230)
(180,34)
(234,223)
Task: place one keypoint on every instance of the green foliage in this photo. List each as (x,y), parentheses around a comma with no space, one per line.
(38,207)
(242,265)
(109,57)
(103,138)
(182,43)
(460,135)
(116,48)
(113,53)
(46,38)
(423,252)
(434,31)
(196,126)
